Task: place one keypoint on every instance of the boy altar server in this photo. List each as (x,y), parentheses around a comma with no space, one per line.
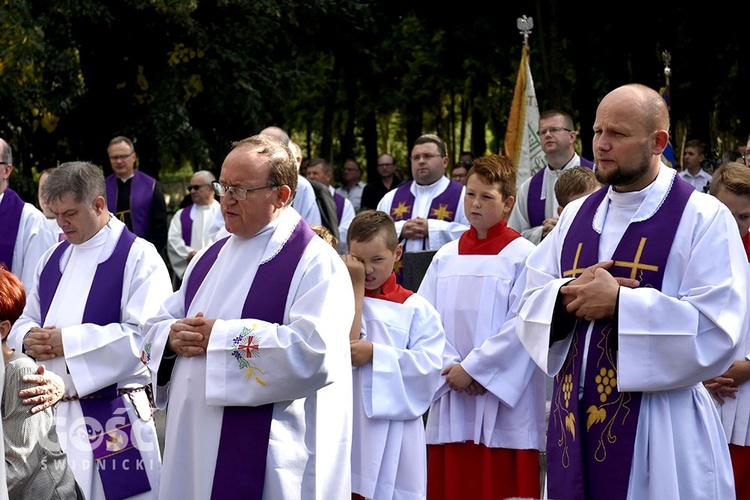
(730,184)
(397,343)
(486,426)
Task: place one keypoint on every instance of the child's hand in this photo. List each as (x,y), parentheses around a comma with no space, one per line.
(356,269)
(361,352)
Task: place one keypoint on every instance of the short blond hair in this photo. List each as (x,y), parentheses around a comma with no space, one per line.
(573,183)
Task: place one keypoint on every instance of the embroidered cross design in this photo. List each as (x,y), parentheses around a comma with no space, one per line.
(400,210)
(636,264)
(576,270)
(115,440)
(441,213)
(244,347)
(249,347)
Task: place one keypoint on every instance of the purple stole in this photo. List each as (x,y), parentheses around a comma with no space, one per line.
(141,194)
(187,224)
(590,442)
(443,207)
(239,448)
(535,203)
(118,460)
(11,209)
(339,205)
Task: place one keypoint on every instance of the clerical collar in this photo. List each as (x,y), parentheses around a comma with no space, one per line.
(570,163)
(126,180)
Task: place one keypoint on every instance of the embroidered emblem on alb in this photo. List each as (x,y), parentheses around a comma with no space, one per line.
(146,354)
(244,347)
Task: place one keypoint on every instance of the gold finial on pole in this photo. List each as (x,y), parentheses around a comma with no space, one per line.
(525,25)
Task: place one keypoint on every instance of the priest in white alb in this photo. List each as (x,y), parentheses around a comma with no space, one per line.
(252,352)
(637,296)
(82,320)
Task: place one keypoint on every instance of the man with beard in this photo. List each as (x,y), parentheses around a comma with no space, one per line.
(535,212)
(635,298)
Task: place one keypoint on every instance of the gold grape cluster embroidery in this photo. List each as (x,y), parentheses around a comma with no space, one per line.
(603,417)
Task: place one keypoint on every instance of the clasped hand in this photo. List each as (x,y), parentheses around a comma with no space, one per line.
(593,295)
(415,228)
(44,344)
(188,337)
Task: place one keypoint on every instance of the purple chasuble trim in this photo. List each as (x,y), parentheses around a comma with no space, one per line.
(339,205)
(266,304)
(590,442)
(187,224)
(141,194)
(108,425)
(442,207)
(535,205)
(10,220)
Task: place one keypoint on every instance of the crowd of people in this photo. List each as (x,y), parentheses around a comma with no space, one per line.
(560,333)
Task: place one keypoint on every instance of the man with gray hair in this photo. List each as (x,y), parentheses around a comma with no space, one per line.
(304,200)
(252,352)
(189,228)
(23,237)
(82,320)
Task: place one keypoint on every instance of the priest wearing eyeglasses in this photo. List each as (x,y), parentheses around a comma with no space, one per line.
(252,352)
(429,209)
(134,197)
(535,211)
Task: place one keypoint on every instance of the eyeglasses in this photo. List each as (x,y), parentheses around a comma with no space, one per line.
(426,157)
(239,194)
(197,187)
(554,130)
(121,157)
(385,164)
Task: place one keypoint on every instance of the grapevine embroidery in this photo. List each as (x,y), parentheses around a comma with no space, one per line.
(146,354)
(245,347)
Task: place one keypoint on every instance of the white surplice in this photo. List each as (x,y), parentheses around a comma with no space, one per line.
(519,217)
(54,233)
(32,240)
(477,297)
(735,412)
(391,394)
(347,215)
(98,356)
(669,340)
(177,250)
(440,232)
(304,365)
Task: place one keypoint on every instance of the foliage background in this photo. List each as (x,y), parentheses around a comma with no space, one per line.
(185,78)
